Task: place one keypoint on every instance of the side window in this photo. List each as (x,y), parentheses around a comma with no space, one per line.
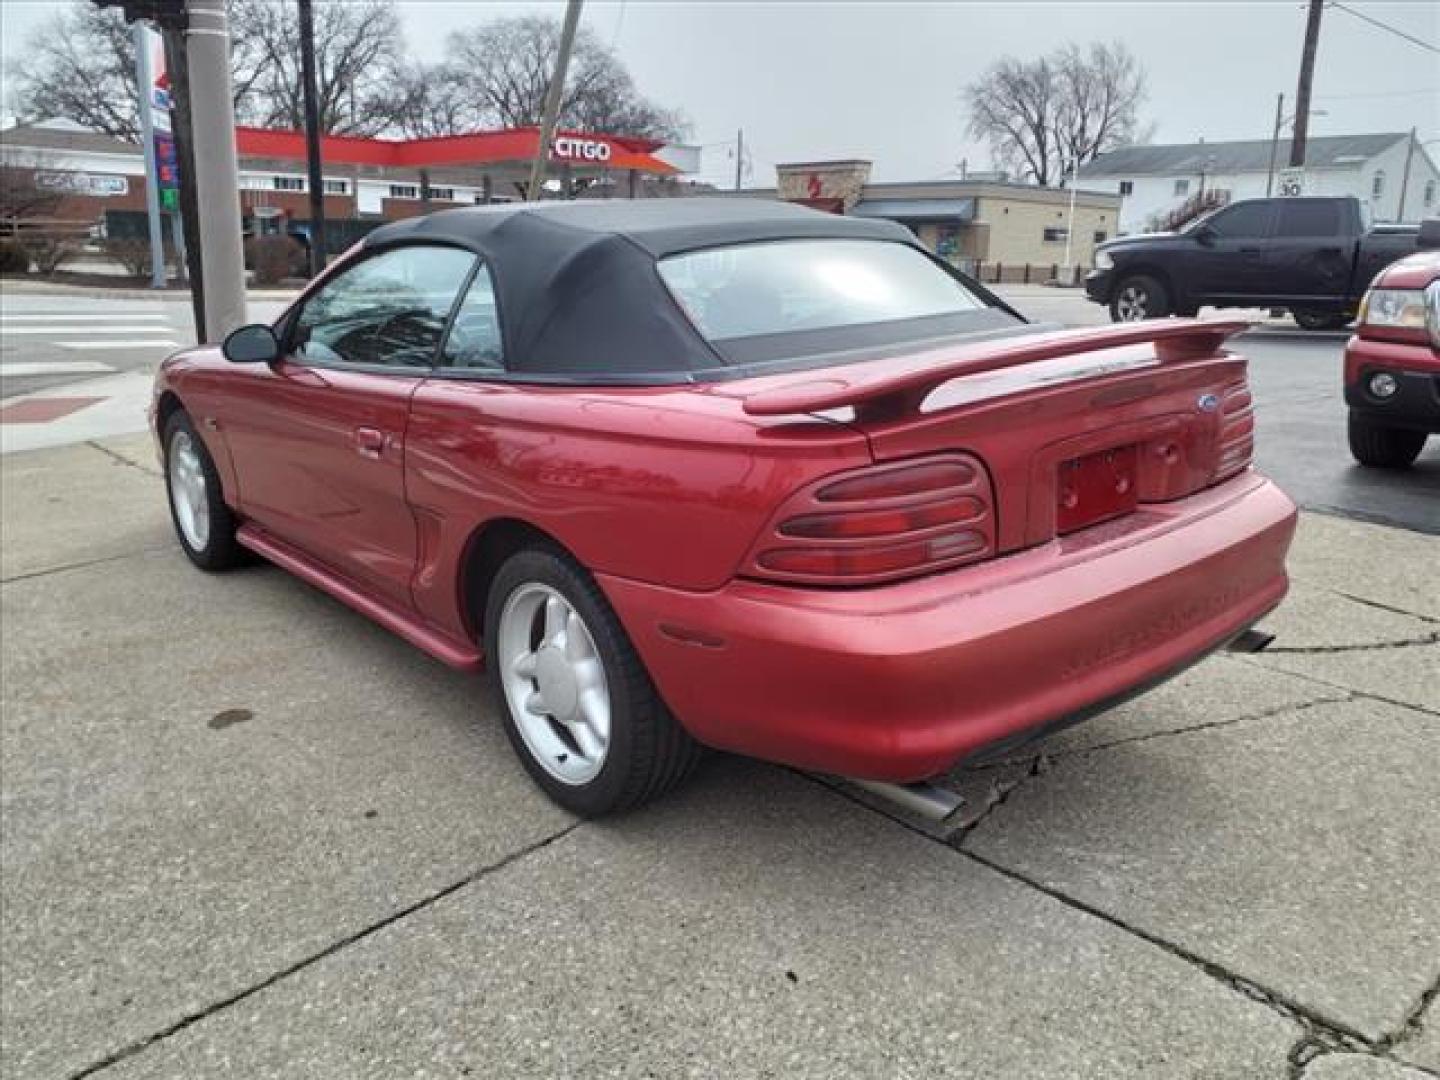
(474,340)
(1246,221)
(390,309)
(1309,217)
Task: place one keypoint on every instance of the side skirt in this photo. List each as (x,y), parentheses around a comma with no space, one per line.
(460,655)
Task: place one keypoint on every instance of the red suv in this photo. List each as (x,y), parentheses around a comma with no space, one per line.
(1392,364)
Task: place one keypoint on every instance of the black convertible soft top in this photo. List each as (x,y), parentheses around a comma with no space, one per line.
(576,282)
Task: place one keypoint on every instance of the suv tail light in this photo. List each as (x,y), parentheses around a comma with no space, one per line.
(1235,443)
(881,523)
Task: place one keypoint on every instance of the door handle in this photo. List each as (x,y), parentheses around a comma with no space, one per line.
(369,442)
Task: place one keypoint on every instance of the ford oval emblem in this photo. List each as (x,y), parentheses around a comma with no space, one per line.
(1208,403)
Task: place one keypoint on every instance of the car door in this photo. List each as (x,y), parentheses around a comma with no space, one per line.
(1310,253)
(1229,257)
(318,438)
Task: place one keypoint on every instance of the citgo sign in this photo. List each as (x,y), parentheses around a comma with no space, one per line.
(576,148)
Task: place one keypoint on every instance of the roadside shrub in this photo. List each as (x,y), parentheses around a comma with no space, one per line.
(133,255)
(14,259)
(274,258)
(49,251)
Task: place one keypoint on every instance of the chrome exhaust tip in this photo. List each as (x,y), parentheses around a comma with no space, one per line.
(930,802)
(1251,641)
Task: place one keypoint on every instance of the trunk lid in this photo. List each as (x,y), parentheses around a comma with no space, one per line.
(1075,427)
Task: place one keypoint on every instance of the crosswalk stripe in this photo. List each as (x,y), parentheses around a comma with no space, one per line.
(71,329)
(149,343)
(85,316)
(54,367)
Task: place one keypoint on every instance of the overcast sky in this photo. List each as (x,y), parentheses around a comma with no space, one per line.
(817,79)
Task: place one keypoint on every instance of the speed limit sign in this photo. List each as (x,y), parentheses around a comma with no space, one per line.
(1292,182)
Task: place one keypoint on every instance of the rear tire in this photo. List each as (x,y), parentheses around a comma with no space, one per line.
(1320,320)
(203,523)
(1139,297)
(578,706)
(1382,447)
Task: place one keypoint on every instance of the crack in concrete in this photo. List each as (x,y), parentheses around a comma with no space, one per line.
(1323,1031)
(1414,1020)
(29,574)
(1401,643)
(123,460)
(190,1019)
(1204,725)
(1356,694)
(1383,607)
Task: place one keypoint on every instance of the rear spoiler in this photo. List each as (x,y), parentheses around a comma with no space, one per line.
(890,392)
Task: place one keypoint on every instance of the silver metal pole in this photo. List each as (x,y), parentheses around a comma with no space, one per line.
(222,255)
(140,36)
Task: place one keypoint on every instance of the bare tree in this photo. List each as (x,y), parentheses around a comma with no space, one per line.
(1041,116)
(80,66)
(1012,106)
(358,55)
(1101,91)
(505,66)
(431,100)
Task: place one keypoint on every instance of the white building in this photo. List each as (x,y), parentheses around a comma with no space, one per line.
(1153,181)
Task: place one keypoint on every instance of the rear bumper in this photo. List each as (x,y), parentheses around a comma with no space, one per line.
(900,682)
(1416,369)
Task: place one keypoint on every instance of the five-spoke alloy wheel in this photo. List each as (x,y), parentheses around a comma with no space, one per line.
(578,705)
(203,522)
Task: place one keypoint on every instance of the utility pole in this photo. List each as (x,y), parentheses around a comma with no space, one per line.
(1307,77)
(553,98)
(1275,142)
(1405,176)
(312,139)
(739,157)
(207,44)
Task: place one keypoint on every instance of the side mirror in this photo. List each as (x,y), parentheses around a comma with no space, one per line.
(253,344)
(1204,235)
(1429,237)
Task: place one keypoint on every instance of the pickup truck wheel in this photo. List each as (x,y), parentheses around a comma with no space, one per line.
(578,706)
(1320,320)
(1139,297)
(1384,447)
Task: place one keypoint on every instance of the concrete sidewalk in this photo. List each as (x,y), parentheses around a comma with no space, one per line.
(247,833)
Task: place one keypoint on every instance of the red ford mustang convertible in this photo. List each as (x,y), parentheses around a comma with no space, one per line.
(685,473)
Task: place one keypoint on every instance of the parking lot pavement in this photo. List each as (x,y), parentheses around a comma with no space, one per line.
(247,833)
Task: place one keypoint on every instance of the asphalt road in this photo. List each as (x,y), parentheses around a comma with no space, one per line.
(50,341)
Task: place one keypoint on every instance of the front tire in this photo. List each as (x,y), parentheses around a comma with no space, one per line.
(1382,447)
(203,523)
(578,706)
(1139,297)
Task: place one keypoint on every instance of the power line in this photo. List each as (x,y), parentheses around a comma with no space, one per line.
(1385,26)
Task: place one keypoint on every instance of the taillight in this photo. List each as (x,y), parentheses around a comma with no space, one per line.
(881,523)
(1235,443)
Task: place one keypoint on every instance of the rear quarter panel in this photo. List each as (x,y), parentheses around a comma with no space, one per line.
(659,485)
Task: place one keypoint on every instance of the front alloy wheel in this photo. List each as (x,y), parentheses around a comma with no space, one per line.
(203,522)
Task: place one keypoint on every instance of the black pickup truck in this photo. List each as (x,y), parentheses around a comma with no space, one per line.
(1313,256)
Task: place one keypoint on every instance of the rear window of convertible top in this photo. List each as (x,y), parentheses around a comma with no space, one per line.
(786,298)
